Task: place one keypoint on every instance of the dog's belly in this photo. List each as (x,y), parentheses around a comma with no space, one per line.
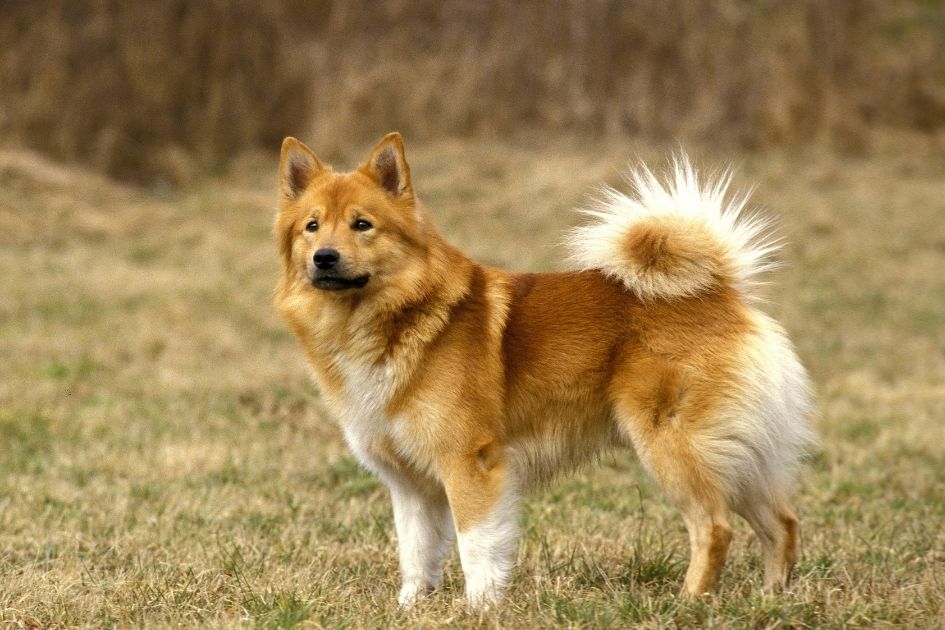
(554,436)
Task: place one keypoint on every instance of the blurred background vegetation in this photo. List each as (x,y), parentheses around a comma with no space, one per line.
(147,90)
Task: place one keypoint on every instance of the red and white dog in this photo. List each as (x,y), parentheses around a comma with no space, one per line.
(460,385)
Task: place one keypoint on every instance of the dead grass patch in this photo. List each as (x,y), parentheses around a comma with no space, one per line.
(166,460)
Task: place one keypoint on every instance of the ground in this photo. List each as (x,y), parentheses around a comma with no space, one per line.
(165,458)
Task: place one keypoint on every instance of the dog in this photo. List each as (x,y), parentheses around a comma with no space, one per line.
(461,385)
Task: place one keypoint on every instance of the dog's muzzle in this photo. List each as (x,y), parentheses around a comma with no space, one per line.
(328,273)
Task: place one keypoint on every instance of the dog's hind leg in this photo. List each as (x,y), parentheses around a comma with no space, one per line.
(659,424)
(709,539)
(702,505)
(776,527)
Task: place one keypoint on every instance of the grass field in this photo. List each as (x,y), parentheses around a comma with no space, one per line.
(165,459)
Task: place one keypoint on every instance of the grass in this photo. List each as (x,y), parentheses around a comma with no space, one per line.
(165,460)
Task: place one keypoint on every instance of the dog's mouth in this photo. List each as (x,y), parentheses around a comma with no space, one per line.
(338,283)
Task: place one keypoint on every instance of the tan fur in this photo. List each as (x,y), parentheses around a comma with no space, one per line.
(486,381)
(675,255)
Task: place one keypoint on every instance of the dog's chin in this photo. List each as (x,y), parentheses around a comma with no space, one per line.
(339,283)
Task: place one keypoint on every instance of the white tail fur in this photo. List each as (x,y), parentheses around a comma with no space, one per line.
(674,238)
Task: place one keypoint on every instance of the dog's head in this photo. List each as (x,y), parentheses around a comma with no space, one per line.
(348,233)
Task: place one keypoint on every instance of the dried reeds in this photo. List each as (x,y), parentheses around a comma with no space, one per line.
(143,89)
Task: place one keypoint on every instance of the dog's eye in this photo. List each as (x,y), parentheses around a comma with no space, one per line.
(311,226)
(361,225)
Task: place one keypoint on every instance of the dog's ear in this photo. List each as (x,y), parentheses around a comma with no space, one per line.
(388,166)
(298,166)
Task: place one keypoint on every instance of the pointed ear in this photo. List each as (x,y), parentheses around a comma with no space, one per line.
(388,166)
(298,166)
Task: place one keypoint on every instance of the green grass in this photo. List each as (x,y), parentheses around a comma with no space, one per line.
(165,460)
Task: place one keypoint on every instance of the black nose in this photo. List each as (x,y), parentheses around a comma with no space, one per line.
(326,258)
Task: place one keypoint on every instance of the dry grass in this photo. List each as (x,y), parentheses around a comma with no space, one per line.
(166,461)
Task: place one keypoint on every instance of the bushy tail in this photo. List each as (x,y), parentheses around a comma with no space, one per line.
(675,238)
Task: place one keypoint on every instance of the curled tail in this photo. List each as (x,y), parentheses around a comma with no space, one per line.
(675,238)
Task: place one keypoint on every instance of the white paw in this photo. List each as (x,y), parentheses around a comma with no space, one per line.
(413,592)
(483,595)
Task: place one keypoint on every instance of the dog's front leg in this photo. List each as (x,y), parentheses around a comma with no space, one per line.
(484,501)
(425,536)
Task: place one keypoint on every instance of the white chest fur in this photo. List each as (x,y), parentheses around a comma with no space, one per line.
(364,419)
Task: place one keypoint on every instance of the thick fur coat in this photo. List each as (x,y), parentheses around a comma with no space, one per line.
(459,385)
